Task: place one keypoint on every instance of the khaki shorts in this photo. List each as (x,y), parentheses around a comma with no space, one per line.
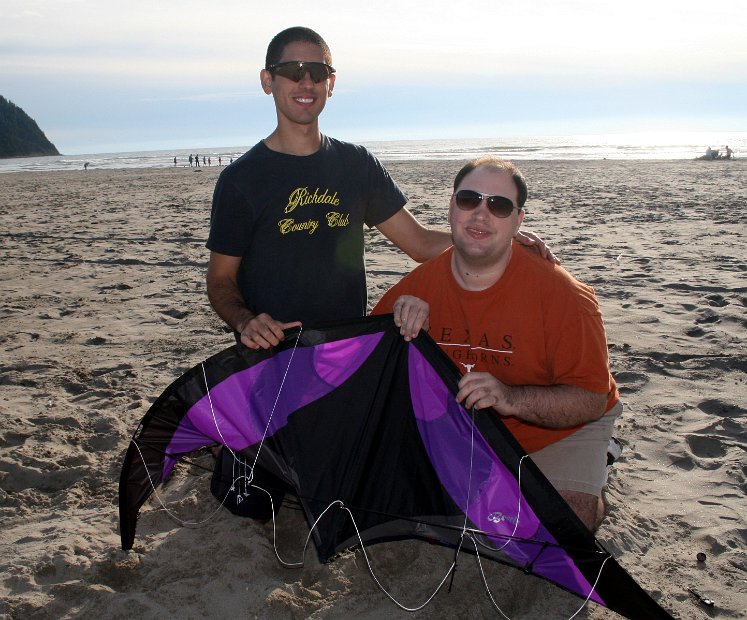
(579,462)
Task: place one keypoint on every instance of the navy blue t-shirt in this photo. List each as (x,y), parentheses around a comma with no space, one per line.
(297,223)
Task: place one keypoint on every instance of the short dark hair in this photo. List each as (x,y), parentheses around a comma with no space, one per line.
(492,161)
(294,35)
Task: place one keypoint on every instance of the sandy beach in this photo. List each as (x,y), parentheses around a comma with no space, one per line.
(104,305)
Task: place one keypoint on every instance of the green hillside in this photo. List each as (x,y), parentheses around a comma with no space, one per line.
(20,136)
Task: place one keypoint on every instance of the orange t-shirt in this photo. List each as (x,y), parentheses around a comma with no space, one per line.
(536,326)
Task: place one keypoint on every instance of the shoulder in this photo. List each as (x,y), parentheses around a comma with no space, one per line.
(423,281)
(347,149)
(247,162)
(428,276)
(553,281)
(341,145)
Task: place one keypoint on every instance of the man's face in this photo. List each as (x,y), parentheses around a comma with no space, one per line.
(299,102)
(479,237)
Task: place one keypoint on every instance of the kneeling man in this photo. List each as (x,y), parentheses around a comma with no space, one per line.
(529,336)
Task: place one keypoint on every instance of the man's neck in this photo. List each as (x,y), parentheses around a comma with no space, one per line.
(296,140)
(474,276)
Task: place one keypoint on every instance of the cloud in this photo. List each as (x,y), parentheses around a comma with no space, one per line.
(172,67)
(205,97)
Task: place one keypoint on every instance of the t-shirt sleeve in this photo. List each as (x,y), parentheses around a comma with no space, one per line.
(414,283)
(578,344)
(230,219)
(386,303)
(385,198)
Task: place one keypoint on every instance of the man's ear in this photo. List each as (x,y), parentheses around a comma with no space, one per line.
(265,79)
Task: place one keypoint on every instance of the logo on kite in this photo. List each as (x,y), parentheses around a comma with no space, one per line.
(499,517)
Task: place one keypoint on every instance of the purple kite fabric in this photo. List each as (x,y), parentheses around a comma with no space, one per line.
(350,412)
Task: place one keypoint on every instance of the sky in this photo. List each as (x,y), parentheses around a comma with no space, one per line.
(102,76)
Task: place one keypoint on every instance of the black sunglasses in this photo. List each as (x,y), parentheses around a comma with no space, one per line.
(500,206)
(296,69)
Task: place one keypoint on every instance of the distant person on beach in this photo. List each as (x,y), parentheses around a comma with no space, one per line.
(190,160)
(85,166)
(291,251)
(529,336)
(175,162)
(203,160)
(729,152)
(709,153)
(220,161)
(197,161)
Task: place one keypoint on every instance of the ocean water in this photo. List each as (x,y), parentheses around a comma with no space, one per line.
(580,147)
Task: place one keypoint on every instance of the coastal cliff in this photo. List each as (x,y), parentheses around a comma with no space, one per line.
(20,136)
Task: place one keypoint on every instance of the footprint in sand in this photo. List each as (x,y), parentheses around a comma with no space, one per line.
(695,332)
(717,300)
(629,382)
(175,314)
(708,316)
(707,447)
(723,409)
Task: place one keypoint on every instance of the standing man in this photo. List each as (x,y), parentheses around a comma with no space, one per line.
(529,336)
(286,235)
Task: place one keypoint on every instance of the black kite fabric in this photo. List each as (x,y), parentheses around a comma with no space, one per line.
(352,413)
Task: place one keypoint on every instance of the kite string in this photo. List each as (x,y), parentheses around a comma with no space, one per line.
(368,561)
(464,527)
(250,478)
(593,587)
(247,479)
(452,568)
(476,542)
(277,398)
(169,512)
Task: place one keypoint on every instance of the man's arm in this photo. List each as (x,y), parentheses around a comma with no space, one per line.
(532,240)
(257,331)
(552,406)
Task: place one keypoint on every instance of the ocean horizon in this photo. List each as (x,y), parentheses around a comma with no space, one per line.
(642,146)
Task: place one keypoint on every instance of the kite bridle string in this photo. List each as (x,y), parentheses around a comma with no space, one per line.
(452,568)
(269,419)
(161,502)
(249,478)
(464,527)
(510,538)
(341,505)
(593,587)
